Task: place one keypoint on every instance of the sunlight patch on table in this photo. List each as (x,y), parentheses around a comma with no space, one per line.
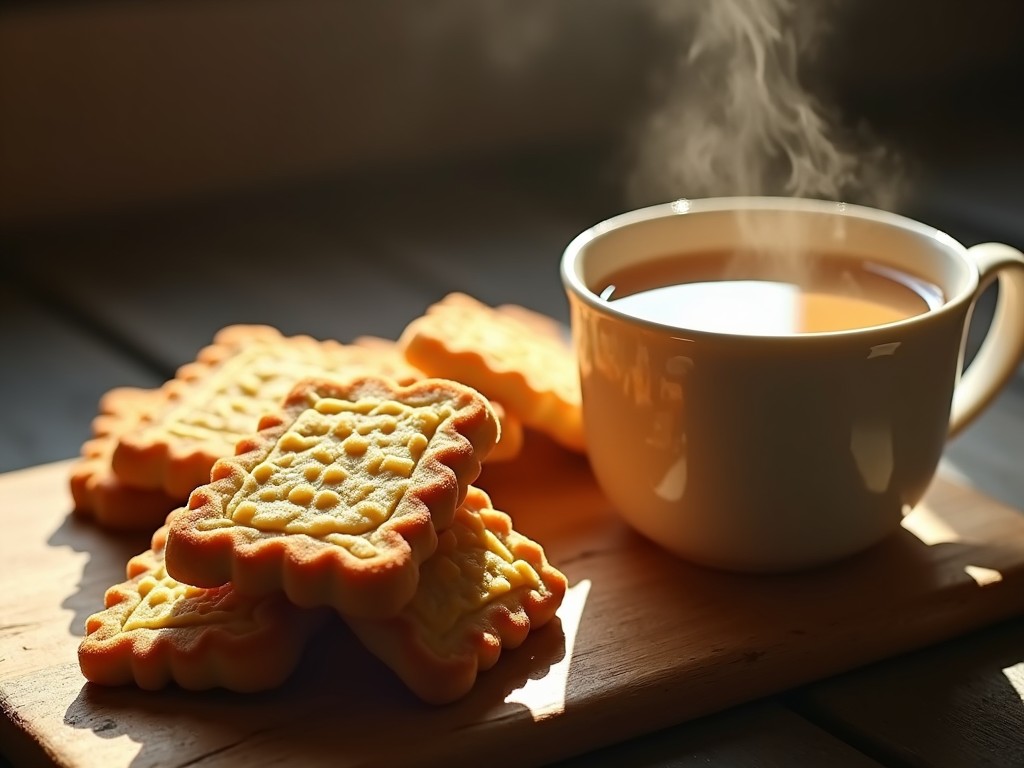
(929,527)
(983,577)
(1015,676)
(546,697)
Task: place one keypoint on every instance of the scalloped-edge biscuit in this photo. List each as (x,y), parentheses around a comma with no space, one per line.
(155,631)
(217,399)
(338,498)
(510,444)
(97,492)
(484,589)
(387,358)
(542,324)
(390,354)
(524,365)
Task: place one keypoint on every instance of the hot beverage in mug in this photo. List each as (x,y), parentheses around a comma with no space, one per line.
(766,293)
(768,384)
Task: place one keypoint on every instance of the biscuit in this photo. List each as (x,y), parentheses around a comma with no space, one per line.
(96,491)
(387,357)
(510,444)
(214,401)
(537,322)
(337,500)
(524,365)
(155,631)
(484,589)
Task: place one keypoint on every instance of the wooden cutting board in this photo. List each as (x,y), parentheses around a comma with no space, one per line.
(643,640)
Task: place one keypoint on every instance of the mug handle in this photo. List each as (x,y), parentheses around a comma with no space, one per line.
(1003,346)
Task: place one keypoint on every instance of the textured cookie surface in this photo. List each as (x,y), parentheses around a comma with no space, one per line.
(100,494)
(156,631)
(511,443)
(338,498)
(523,364)
(216,400)
(484,589)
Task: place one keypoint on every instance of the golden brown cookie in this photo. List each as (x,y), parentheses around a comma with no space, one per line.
(524,365)
(156,631)
(336,501)
(383,357)
(214,401)
(97,492)
(541,324)
(484,589)
(511,442)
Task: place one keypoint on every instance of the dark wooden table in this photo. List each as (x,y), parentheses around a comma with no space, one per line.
(124,300)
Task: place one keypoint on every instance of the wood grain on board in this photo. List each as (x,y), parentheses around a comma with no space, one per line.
(643,640)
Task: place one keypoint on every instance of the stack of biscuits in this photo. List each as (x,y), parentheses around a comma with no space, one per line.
(289,480)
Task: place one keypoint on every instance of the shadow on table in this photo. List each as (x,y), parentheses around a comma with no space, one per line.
(649,628)
(107,554)
(958,703)
(671,641)
(341,707)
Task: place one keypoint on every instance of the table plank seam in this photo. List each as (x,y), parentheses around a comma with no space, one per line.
(845,732)
(70,311)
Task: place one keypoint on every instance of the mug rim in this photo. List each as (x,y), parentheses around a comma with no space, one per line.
(573,254)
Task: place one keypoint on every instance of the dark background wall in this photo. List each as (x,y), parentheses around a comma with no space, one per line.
(107,105)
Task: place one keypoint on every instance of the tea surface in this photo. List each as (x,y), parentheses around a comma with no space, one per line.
(754,294)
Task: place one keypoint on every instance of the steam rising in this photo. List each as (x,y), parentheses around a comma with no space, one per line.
(734,118)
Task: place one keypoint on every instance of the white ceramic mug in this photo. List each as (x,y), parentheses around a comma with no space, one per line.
(774,453)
